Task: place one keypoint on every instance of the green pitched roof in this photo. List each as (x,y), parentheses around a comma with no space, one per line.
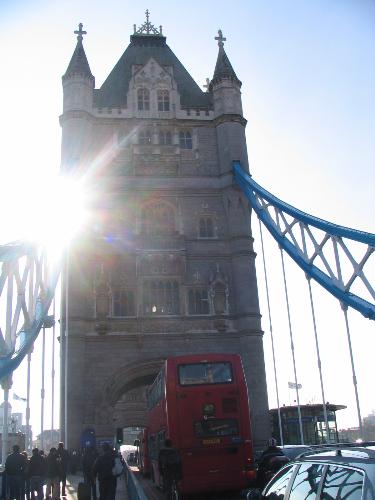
(141,48)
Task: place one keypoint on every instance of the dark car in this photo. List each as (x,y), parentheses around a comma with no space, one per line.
(337,472)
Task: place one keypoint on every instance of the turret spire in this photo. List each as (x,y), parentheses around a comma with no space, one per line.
(78,63)
(223,68)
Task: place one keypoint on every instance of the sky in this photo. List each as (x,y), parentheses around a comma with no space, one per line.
(308,94)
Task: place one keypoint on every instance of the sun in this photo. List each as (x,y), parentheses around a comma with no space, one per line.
(58,213)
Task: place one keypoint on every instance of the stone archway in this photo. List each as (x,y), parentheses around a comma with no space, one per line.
(125,391)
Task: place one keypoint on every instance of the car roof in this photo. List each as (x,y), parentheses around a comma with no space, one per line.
(341,453)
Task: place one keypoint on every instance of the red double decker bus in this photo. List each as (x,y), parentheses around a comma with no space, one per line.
(143,455)
(200,402)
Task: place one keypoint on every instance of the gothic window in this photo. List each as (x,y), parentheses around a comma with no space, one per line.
(143,98)
(186,141)
(158,219)
(198,301)
(206,227)
(163,100)
(123,303)
(165,138)
(161,297)
(145,136)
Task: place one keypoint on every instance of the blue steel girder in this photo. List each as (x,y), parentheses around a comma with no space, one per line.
(27,287)
(313,242)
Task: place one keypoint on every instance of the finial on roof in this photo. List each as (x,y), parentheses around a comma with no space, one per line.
(220,39)
(147,28)
(80,32)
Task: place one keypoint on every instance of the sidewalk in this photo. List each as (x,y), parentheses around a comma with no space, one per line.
(72,485)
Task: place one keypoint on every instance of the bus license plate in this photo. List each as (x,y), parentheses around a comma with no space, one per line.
(211,441)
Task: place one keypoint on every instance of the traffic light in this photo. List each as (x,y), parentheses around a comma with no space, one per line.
(119,435)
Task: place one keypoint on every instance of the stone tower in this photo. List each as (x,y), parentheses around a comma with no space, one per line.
(167,265)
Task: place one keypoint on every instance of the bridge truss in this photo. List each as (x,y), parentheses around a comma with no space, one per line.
(27,288)
(340,259)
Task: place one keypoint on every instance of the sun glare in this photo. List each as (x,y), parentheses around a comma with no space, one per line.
(58,213)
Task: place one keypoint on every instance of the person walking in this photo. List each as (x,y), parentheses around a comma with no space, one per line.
(102,469)
(37,473)
(89,456)
(53,475)
(63,455)
(170,468)
(15,470)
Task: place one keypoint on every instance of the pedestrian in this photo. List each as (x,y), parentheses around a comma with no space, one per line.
(63,455)
(170,468)
(15,469)
(37,473)
(102,469)
(89,456)
(270,461)
(26,477)
(53,475)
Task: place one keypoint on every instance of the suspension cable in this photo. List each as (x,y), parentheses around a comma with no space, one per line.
(271,332)
(345,309)
(53,370)
(308,278)
(318,358)
(292,347)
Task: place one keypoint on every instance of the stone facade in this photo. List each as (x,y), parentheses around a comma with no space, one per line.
(167,265)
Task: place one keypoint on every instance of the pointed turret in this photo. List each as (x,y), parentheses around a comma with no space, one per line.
(78,63)
(230,123)
(223,68)
(78,90)
(78,81)
(225,85)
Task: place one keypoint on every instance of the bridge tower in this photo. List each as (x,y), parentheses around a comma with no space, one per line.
(167,266)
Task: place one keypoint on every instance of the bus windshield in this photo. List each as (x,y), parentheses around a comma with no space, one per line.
(205,373)
(216,427)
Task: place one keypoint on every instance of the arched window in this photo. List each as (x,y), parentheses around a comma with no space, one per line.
(158,219)
(161,297)
(145,136)
(186,141)
(165,138)
(163,100)
(198,301)
(123,303)
(143,98)
(206,227)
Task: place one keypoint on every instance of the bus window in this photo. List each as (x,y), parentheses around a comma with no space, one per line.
(216,427)
(205,373)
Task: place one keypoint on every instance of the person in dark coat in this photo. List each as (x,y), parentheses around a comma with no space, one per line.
(15,469)
(37,473)
(63,455)
(53,474)
(270,461)
(89,456)
(102,469)
(170,469)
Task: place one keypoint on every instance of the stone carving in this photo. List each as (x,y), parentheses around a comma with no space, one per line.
(219,292)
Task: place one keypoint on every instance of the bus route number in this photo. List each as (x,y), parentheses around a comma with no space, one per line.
(211,441)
